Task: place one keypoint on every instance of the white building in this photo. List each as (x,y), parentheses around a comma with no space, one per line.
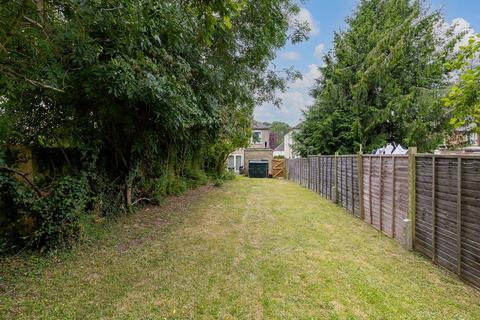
(279,151)
(288,145)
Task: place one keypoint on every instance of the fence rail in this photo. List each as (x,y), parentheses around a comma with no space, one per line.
(429,203)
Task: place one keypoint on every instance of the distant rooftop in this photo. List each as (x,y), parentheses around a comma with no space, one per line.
(260,125)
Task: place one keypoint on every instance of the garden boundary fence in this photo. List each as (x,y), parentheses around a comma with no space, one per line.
(429,203)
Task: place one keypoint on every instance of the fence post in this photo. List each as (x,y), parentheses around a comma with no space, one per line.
(434,209)
(299,170)
(410,222)
(360,183)
(309,171)
(352,190)
(381,192)
(459,216)
(318,174)
(335,182)
(370,173)
(285,169)
(394,207)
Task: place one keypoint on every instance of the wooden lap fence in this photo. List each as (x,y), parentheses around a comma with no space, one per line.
(429,203)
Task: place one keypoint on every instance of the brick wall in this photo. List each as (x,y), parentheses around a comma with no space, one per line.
(258,154)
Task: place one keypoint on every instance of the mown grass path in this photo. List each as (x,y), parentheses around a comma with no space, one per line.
(252,249)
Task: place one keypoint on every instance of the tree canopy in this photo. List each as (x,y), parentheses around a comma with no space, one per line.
(150,92)
(382,81)
(280,129)
(463,99)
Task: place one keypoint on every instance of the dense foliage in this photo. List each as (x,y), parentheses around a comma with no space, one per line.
(464,98)
(382,81)
(280,129)
(154,94)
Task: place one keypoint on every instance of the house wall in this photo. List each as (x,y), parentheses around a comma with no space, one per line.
(273,141)
(288,143)
(258,154)
(237,152)
(262,146)
(265,138)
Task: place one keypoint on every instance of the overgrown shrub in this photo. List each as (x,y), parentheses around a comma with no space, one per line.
(41,221)
(151,95)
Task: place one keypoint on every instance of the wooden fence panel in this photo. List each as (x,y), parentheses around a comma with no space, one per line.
(401,191)
(470,221)
(347,184)
(312,162)
(385,193)
(445,206)
(305,172)
(293,166)
(324,174)
(386,203)
(445,201)
(373,185)
(328,176)
(447,223)
(423,211)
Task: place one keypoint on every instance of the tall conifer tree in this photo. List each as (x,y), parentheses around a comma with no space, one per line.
(382,81)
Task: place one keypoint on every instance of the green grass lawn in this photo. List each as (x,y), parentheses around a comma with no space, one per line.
(252,249)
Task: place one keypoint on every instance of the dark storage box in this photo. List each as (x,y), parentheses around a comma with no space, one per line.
(258,168)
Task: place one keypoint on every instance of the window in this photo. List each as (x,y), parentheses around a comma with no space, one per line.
(231,163)
(238,162)
(257,137)
(469,138)
(472,139)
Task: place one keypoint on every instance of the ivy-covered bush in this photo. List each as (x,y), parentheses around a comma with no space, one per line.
(41,221)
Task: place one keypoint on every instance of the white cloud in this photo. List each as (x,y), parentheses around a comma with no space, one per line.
(319,51)
(296,99)
(304,16)
(308,78)
(459,25)
(291,55)
(462,25)
(293,103)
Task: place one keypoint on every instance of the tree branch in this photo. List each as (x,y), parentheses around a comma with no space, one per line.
(43,85)
(24,176)
(141,199)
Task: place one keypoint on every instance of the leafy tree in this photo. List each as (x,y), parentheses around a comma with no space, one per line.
(280,129)
(382,81)
(153,93)
(464,97)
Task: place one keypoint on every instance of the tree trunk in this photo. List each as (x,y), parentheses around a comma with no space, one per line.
(128,195)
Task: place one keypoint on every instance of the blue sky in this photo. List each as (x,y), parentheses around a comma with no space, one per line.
(325,17)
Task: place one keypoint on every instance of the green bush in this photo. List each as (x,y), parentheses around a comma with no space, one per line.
(42,222)
(195,176)
(229,175)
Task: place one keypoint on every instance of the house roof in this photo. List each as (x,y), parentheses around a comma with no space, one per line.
(294,128)
(466,128)
(281,147)
(260,125)
(298,125)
